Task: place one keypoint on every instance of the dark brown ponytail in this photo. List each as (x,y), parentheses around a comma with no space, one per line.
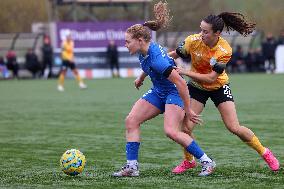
(232,21)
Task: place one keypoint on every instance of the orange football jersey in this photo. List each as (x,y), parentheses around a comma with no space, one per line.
(67,50)
(201,55)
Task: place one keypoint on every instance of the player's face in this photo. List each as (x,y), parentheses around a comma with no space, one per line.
(131,44)
(69,37)
(207,34)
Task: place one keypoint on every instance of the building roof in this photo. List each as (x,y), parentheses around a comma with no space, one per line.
(105,1)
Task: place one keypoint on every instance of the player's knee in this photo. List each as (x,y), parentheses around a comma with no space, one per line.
(171,133)
(131,122)
(63,71)
(75,71)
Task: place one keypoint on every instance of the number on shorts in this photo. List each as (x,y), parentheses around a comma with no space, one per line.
(148,92)
(227,91)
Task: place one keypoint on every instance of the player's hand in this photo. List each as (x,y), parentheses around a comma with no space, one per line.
(138,83)
(192,116)
(181,71)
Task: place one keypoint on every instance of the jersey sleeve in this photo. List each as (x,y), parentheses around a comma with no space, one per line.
(63,44)
(225,58)
(219,64)
(183,50)
(160,64)
(68,47)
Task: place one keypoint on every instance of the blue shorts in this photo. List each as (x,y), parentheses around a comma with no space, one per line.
(153,98)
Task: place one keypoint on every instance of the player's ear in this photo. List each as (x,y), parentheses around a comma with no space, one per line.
(140,40)
(218,33)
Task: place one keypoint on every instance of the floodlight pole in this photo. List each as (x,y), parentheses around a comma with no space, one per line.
(53,11)
(145,10)
(74,11)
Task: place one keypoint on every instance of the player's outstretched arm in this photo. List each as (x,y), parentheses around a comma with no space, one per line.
(208,78)
(180,83)
(139,80)
(173,54)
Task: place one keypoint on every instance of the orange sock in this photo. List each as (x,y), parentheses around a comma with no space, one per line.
(61,79)
(256,145)
(77,76)
(189,157)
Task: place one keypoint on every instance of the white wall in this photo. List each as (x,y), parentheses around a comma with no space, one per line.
(279,59)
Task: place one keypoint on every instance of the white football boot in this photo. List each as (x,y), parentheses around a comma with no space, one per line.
(82,85)
(127,171)
(207,168)
(60,88)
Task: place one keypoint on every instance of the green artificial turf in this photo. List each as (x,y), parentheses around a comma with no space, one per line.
(38,124)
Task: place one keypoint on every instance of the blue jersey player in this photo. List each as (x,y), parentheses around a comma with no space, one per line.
(158,66)
(169,95)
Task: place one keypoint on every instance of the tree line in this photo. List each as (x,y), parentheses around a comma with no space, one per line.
(18,15)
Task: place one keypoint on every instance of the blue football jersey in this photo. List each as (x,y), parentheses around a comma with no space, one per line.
(154,64)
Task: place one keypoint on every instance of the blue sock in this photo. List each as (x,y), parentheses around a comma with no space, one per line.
(132,149)
(195,150)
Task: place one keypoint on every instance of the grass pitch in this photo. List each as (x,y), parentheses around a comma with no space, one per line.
(39,123)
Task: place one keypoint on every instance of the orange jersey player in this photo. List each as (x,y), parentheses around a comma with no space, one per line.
(67,50)
(209,54)
(203,57)
(67,56)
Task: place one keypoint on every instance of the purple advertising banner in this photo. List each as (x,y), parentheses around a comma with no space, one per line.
(92,34)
